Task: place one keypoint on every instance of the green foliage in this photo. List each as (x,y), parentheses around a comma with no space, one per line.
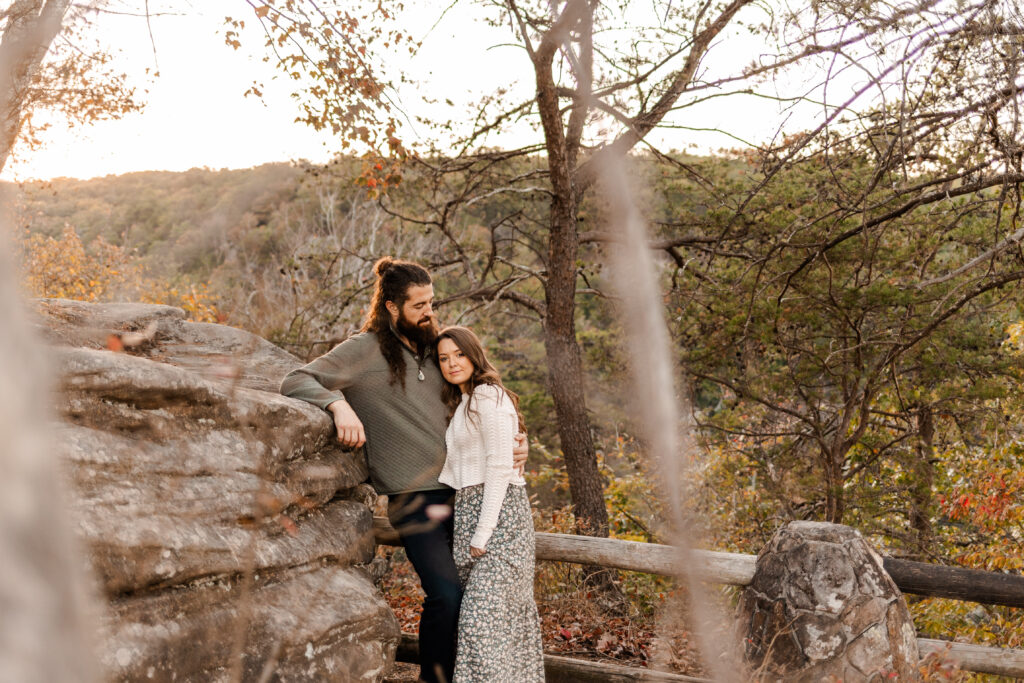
(815,364)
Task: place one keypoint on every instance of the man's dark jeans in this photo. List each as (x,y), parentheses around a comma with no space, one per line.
(428,545)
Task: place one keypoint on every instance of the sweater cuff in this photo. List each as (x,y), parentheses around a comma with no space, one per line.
(327,399)
(479,539)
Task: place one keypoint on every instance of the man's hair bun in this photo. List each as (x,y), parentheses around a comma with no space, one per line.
(396,272)
(383,265)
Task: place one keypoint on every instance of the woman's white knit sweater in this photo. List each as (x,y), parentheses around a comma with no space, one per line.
(480,452)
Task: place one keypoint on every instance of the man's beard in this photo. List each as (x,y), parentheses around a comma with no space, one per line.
(421,335)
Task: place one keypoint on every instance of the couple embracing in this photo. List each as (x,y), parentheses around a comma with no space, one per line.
(440,431)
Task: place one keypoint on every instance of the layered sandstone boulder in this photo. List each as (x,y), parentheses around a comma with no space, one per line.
(224,521)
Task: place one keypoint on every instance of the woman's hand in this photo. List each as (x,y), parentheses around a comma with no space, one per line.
(520,451)
(476,552)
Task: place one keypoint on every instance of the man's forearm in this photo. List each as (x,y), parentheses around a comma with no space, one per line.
(303,385)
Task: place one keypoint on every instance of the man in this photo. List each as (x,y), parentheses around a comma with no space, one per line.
(384,392)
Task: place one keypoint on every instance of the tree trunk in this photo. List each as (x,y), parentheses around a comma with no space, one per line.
(565,365)
(32,26)
(568,180)
(923,472)
(835,502)
(565,376)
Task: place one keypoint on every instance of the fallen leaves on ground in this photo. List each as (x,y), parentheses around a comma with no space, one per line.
(570,626)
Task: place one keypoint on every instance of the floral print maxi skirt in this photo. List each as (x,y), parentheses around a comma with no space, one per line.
(499,630)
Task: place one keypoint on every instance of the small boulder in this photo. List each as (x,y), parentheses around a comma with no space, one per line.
(822,607)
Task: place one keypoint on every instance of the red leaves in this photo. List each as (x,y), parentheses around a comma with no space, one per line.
(401,589)
(628,641)
(987,500)
(339,63)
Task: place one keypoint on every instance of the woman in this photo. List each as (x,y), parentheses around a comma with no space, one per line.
(499,630)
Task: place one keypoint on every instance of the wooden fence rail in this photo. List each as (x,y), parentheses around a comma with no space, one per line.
(939,581)
(736,569)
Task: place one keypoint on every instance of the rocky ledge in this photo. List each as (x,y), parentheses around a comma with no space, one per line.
(227,527)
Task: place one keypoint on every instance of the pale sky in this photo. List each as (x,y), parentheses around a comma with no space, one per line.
(196,114)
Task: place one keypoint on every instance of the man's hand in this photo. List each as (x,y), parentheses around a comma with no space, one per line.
(476,552)
(520,452)
(350,429)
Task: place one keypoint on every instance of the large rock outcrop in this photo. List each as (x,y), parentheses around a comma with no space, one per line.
(223,520)
(821,607)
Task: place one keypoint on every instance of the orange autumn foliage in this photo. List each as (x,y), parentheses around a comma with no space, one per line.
(67,268)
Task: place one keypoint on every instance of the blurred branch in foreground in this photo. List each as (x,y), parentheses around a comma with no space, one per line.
(44,602)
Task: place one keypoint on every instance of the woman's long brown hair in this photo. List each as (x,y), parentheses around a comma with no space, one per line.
(484,372)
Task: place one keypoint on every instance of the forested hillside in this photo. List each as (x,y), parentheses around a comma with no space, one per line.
(177,222)
(785,354)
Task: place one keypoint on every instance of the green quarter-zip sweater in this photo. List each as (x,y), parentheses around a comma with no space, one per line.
(405,428)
